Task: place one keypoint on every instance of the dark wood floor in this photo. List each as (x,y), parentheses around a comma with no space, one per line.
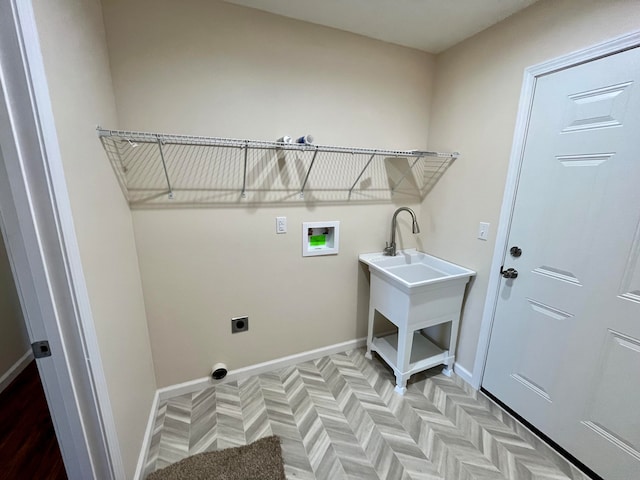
(28,445)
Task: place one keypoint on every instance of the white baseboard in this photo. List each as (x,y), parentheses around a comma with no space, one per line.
(257,369)
(146,440)
(464,374)
(15,370)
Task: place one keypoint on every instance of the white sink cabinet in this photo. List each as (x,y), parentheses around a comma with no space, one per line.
(414,290)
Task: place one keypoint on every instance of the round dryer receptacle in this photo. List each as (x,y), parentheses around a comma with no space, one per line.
(219,371)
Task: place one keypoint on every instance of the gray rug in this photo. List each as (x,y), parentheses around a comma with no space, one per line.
(260,460)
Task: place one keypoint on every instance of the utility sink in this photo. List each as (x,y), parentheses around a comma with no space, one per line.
(410,269)
(414,291)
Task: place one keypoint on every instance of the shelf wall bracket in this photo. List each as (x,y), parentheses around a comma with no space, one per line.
(243,194)
(404,175)
(313,159)
(362,173)
(164,167)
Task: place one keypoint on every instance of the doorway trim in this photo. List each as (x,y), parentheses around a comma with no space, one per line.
(531,75)
(44,254)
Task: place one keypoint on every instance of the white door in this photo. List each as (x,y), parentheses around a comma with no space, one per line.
(35,221)
(565,343)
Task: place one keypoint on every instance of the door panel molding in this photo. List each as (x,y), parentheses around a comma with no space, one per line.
(619,353)
(537,389)
(600,108)
(548,310)
(611,437)
(557,274)
(584,160)
(630,287)
(531,74)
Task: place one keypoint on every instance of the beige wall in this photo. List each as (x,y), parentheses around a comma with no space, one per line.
(76,63)
(14,341)
(476,95)
(204,67)
(210,68)
(202,267)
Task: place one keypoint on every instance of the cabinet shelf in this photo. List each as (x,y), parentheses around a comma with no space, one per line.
(156,169)
(424,353)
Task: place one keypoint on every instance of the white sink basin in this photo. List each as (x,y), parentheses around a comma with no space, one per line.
(410,269)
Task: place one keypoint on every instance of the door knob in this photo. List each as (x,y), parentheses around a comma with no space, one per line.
(509,273)
(515,251)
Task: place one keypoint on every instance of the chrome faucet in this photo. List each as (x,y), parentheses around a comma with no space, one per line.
(390,249)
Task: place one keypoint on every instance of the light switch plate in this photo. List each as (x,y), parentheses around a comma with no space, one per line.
(483,231)
(281,224)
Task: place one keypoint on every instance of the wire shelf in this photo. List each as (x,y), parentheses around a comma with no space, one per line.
(157,169)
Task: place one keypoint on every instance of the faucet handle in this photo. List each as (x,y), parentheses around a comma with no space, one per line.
(389,249)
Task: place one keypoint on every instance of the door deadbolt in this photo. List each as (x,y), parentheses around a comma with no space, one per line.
(509,273)
(515,251)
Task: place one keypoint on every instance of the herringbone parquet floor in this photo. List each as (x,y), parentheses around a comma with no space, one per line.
(339,418)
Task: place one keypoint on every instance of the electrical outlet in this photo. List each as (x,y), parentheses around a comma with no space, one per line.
(281,224)
(483,231)
(239,324)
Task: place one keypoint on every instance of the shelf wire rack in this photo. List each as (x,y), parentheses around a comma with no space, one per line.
(157,169)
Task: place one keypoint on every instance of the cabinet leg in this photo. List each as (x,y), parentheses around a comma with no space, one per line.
(401,383)
(405,343)
(453,342)
(372,313)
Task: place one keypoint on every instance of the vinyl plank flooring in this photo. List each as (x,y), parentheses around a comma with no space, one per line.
(338,417)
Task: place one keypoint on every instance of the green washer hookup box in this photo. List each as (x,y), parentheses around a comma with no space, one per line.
(320,238)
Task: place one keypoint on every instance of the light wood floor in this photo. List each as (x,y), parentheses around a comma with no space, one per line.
(339,418)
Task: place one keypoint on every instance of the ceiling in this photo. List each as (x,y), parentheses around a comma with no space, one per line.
(429,25)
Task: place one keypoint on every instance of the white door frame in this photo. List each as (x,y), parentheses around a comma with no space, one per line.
(36,221)
(531,74)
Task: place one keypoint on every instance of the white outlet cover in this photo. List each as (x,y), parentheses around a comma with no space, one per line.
(483,231)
